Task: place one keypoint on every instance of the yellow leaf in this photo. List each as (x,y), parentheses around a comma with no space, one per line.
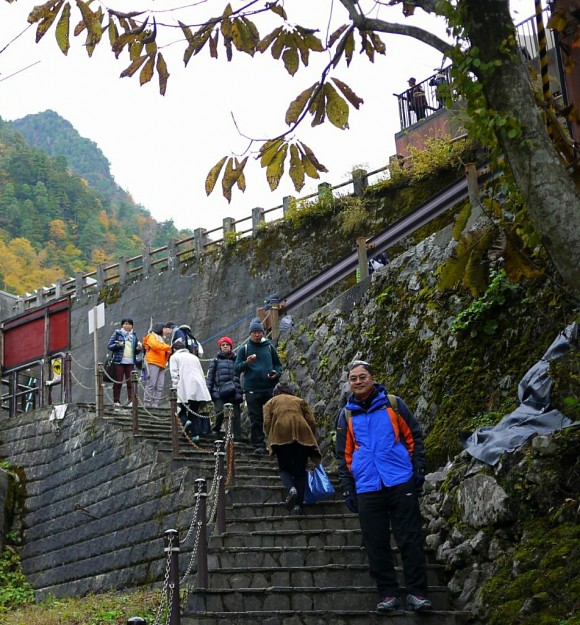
(268,150)
(378,43)
(213,174)
(229,180)
(42,11)
(336,35)
(264,44)
(275,168)
(113,32)
(349,47)
(296,168)
(311,41)
(63,30)
(318,109)
(147,72)
(242,38)
(290,58)
(135,65)
(311,157)
(336,107)
(241,182)
(226,24)
(297,106)
(276,8)
(348,93)
(279,45)
(186,31)
(163,73)
(135,50)
(252,30)
(47,20)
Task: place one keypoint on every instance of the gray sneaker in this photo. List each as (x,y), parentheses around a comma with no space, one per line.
(292,498)
(417,602)
(388,604)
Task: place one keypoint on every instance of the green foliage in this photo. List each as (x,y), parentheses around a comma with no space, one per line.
(473,316)
(54,224)
(301,212)
(14,588)
(230,238)
(352,215)
(104,609)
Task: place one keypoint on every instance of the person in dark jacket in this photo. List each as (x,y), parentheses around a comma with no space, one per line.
(222,372)
(381,464)
(125,347)
(260,365)
(291,430)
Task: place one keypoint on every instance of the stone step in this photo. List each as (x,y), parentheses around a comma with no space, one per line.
(295,598)
(277,508)
(297,523)
(323,617)
(331,574)
(275,537)
(265,494)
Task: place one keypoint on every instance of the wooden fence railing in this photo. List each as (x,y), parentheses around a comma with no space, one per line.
(128,270)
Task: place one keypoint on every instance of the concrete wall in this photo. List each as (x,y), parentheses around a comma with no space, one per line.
(98,503)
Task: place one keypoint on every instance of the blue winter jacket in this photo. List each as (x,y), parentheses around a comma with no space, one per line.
(376,447)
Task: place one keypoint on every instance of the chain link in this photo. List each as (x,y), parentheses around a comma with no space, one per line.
(165,584)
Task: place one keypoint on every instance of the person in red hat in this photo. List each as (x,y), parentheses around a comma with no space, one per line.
(224,386)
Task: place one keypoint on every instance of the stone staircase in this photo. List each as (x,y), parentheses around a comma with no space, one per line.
(272,568)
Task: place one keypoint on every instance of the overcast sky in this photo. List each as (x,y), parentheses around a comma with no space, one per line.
(161,148)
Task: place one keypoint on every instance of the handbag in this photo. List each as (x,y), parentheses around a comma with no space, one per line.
(318,485)
(109,368)
(227,390)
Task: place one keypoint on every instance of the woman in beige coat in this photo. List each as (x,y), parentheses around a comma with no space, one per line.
(291,430)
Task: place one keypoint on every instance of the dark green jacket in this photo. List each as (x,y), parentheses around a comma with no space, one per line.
(255,376)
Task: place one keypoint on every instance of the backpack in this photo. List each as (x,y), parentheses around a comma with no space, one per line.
(191,343)
(392,400)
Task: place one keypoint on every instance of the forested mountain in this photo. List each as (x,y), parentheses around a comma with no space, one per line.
(60,209)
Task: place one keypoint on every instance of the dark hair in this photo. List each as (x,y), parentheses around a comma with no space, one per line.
(178,344)
(158,328)
(286,388)
(360,363)
(171,324)
(128,320)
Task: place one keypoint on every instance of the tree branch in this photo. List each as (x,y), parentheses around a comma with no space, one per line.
(365,23)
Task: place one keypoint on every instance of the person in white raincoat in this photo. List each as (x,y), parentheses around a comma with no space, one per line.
(188,379)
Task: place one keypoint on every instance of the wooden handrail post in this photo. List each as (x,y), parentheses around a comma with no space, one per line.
(363,261)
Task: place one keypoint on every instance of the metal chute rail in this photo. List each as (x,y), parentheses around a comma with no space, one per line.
(402,228)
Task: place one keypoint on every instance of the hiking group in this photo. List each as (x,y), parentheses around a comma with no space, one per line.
(379,443)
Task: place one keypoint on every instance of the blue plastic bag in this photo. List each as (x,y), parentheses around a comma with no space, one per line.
(318,485)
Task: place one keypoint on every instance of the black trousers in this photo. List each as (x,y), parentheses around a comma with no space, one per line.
(395,508)
(292,461)
(255,401)
(218,405)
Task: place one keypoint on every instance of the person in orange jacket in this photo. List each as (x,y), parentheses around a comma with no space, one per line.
(157,353)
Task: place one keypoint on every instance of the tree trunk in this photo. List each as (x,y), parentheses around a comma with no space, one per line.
(552,197)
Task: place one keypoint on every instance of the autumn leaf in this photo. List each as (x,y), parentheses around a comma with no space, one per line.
(290,58)
(213,175)
(229,180)
(63,30)
(348,93)
(309,154)
(296,168)
(318,109)
(268,150)
(147,72)
(47,18)
(265,43)
(335,36)
(336,107)
(276,8)
(275,168)
(241,182)
(134,66)
(297,106)
(163,73)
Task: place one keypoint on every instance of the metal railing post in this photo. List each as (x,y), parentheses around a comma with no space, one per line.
(136,620)
(100,407)
(172,546)
(230,456)
(135,400)
(67,378)
(174,417)
(221,490)
(202,579)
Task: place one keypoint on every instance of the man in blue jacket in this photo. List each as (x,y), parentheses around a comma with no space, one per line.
(381,463)
(260,365)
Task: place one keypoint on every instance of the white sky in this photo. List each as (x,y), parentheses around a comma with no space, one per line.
(161,148)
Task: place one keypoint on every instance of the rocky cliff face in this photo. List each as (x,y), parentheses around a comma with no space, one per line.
(508,534)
